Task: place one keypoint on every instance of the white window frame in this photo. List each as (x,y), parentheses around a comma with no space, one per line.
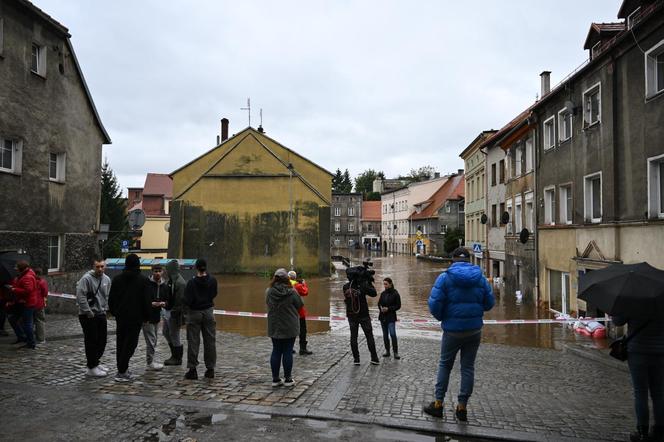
(549,139)
(561,124)
(518,159)
(61,161)
(586,110)
(565,192)
(588,198)
(351,227)
(57,268)
(337,211)
(351,211)
(41,59)
(337,226)
(528,152)
(549,205)
(17,149)
(529,218)
(655,208)
(652,68)
(630,18)
(508,209)
(594,49)
(518,218)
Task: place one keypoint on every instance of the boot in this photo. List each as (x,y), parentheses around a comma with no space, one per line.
(176,356)
(387,348)
(657,433)
(304,351)
(395,347)
(641,434)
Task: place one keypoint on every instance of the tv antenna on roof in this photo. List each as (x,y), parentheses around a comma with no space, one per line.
(261,114)
(248,109)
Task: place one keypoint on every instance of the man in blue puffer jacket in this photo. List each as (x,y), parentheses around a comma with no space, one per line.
(458,299)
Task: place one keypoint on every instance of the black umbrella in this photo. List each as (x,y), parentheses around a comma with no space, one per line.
(8,262)
(634,291)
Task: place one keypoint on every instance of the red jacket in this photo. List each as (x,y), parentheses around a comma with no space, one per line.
(302,290)
(42,287)
(25,288)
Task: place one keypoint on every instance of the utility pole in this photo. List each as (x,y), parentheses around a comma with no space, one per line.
(248,109)
(291,219)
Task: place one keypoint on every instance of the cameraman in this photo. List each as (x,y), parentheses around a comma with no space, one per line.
(356,290)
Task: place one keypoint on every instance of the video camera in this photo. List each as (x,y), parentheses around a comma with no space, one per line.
(361,273)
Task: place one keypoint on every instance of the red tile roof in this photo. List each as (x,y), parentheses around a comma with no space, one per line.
(452,189)
(158,184)
(371,211)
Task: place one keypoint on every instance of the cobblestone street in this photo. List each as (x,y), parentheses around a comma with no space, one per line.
(520,393)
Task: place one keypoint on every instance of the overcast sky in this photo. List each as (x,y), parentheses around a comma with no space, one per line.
(388,85)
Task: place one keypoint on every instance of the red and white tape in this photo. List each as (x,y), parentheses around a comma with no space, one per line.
(401,321)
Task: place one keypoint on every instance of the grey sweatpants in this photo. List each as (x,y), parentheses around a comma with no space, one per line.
(40,320)
(201,322)
(170,328)
(150,335)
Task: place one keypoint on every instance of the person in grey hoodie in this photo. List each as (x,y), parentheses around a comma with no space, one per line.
(173,313)
(92,299)
(157,294)
(283,325)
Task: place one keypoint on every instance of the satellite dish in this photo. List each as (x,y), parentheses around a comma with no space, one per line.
(523,236)
(484,218)
(136,219)
(167,226)
(505,218)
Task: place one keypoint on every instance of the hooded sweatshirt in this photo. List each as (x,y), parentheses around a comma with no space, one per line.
(200,292)
(283,303)
(459,298)
(156,292)
(127,299)
(88,285)
(176,286)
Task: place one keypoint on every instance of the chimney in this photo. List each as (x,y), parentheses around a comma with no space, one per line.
(224,129)
(436,175)
(460,171)
(546,83)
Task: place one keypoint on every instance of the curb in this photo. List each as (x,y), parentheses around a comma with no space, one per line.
(596,356)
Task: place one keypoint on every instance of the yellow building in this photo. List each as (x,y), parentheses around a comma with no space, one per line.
(154,199)
(251,205)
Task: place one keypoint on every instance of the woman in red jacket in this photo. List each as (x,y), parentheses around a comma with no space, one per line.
(40,314)
(24,289)
(301,288)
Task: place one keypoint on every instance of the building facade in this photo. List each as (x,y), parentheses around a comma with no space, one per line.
(51,140)
(154,198)
(346,216)
(371,225)
(495,203)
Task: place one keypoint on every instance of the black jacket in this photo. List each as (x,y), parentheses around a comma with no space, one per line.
(156,293)
(391,299)
(127,300)
(650,336)
(355,297)
(200,292)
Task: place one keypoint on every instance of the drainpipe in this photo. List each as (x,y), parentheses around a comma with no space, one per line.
(536,205)
(614,137)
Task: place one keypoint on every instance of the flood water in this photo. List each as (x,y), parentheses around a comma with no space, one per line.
(413,279)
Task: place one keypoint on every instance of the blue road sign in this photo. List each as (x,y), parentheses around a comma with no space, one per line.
(477,248)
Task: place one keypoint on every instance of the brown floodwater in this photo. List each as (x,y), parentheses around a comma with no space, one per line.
(413,279)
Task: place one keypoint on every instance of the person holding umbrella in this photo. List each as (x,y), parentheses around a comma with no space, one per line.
(633,294)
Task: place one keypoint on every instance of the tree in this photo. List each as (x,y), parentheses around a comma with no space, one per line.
(452,238)
(112,211)
(337,179)
(372,196)
(421,174)
(364,181)
(345,186)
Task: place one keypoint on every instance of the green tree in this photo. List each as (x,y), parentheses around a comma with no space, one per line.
(421,174)
(364,181)
(337,179)
(113,209)
(452,238)
(346,184)
(372,196)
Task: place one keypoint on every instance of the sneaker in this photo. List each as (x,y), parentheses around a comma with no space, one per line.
(461,413)
(191,374)
(102,368)
(289,382)
(155,366)
(95,373)
(209,373)
(305,352)
(356,362)
(42,342)
(277,383)
(396,356)
(375,362)
(123,377)
(28,347)
(434,409)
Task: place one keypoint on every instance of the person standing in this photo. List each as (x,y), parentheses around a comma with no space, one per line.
(173,313)
(458,299)
(199,297)
(356,291)
(128,303)
(40,314)
(92,292)
(157,295)
(283,325)
(24,289)
(302,289)
(388,304)
(645,358)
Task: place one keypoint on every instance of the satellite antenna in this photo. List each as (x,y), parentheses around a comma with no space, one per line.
(261,114)
(248,109)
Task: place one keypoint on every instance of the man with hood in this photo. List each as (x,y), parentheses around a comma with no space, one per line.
(173,313)
(128,303)
(199,297)
(157,294)
(458,299)
(92,299)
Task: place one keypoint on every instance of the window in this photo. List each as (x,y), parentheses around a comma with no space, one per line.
(493,174)
(549,200)
(500,215)
(592,112)
(529,154)
(566,204)
(656,187)
(38,59)
(10,155)
(529,212)
(593,197)
(634,18)
(594,51)
(351,227)
(351,211)
(655,70)
(549,133)
(510,223)
(494,215)
(337,227)
(502,171)
(337,242)
(518,221)
(564,125)
(54,253)
(56,167)
(448,207)
(337,211)
(369,227)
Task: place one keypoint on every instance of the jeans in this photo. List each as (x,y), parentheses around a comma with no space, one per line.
(201,322)
(126,336)
(282,353)
(365,323)
(150,335)
(170,328)
(40,320)
(450,346)
(94,338)
(21,321)
(647,371)
(390,331)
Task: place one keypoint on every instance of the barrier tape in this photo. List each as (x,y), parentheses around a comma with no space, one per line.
(401,321)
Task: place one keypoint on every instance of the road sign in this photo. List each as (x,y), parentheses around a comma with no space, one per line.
(136,219)
(477,250)
(125,246)
(419,243)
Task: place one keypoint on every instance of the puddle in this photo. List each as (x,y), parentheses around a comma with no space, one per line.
(189,420)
